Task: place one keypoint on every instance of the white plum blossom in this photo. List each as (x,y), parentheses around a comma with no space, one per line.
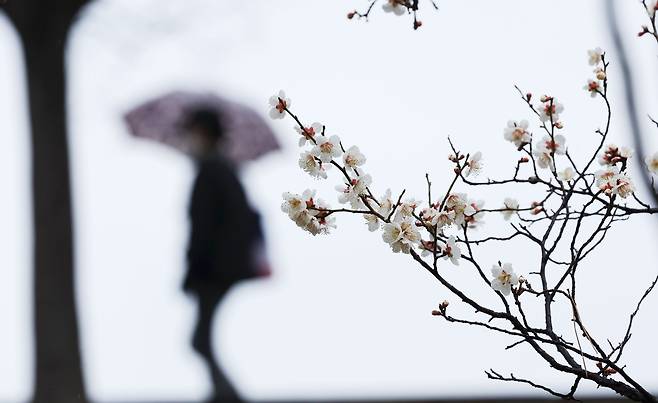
(511,206)
(308,133)
(294,204)
(546,148)
(428,215)
(401,236)
(394,6)
(352,192)
(405,210)
(384,209)
(327,148)
(322,222)
(594,56)
(386,204)
(451,251)
(458,204)
(605,178)
(555,144)
(372,221)
(444,218)
(278,104)
(361,183)
(503,278)
(353,158)
(549,110)
(623,186)
(652,163)
(543,158)
(474,164)
(593,86)
(517,133)
(476,219)
(566,174)
(310,164)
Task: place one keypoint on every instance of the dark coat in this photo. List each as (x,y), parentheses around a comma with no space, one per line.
(224,229)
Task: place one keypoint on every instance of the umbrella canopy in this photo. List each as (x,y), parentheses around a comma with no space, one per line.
(161,119)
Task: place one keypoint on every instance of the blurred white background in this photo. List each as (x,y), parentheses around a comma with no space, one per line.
(342,317)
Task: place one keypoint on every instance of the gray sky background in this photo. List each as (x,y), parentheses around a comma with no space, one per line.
(342,316)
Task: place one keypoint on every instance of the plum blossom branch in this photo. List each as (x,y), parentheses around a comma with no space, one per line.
(395,7)
(577,207)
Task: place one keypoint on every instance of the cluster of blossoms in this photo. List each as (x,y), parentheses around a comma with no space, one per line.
(402,233)
(308,213)
(612,155)
(613,182)
(597,59)
(613,179)
(402,222)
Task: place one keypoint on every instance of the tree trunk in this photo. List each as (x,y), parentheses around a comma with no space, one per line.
(43,28)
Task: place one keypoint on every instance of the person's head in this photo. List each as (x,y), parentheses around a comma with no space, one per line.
(205,131)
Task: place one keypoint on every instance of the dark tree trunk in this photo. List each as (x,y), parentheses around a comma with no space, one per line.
(43,27)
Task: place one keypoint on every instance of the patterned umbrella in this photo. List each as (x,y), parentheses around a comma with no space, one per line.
(161,119)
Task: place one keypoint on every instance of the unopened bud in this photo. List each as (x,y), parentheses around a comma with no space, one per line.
(457,170)
(444,305)
(523,160)
(528,97)
(417,24)
(537,210)
(351,15)
(533,179)
(559,125)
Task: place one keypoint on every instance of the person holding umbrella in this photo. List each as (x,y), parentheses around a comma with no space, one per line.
(226,240)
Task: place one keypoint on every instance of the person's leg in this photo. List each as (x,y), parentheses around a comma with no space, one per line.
(202,344)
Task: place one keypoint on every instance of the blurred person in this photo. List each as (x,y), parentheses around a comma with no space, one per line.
(226,239)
